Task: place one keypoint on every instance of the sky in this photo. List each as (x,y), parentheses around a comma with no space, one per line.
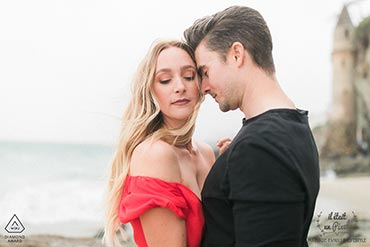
(66,66)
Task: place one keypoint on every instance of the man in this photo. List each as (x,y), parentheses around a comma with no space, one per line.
(262,190)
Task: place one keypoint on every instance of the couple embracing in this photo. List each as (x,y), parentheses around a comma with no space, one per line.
(261,189)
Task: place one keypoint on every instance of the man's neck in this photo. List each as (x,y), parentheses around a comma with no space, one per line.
(263,93)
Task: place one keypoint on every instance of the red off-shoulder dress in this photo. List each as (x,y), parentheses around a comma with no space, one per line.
(141,193)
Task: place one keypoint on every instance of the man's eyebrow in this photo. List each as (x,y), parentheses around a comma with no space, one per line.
(200,69)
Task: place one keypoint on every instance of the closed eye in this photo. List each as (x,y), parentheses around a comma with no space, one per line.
(202,72)
(164,81)
(189,78)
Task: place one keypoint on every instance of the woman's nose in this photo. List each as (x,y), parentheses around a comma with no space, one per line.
(179,85)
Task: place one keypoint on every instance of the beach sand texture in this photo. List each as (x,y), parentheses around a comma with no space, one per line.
(349,195)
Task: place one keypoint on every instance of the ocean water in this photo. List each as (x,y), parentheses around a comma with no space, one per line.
(53,188)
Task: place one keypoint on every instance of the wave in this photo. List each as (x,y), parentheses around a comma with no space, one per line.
(54,202)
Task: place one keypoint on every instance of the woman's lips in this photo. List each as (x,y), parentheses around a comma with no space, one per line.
(181,102)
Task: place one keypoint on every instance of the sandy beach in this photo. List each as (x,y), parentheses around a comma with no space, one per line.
(52,241)
(350,195)
(347,196)
(45,240)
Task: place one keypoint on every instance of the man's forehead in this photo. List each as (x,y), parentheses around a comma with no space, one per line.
(202,55)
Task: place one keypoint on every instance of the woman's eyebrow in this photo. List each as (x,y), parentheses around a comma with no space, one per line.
(163,70)
(188,67)
(185,67)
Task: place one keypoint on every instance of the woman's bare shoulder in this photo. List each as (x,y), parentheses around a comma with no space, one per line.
(206,150)
(155,158)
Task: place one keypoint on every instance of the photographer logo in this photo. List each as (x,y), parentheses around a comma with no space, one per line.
(337,227)
(14,228)
(14,225)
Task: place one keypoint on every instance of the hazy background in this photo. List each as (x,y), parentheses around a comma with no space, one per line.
(65,73)
(66,66)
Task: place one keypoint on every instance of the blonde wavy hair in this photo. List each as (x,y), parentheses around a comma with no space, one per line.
(142,119)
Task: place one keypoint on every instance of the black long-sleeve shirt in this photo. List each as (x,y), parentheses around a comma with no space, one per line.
(262,190)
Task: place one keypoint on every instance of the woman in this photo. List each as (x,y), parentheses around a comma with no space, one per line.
(158,170)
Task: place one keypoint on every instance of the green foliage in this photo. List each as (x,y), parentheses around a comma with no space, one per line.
(362,32)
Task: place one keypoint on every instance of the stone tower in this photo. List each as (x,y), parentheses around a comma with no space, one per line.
(362,83)
(341,135)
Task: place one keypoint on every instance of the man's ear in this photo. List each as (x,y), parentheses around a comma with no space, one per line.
(237,53)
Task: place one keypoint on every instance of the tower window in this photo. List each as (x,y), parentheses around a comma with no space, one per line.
(365,42)
(346,33)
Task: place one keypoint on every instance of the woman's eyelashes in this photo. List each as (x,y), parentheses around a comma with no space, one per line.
(189,75)
(186,76)
(189,78)
(164,81)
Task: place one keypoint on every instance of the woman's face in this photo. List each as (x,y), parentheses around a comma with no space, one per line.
(175,86)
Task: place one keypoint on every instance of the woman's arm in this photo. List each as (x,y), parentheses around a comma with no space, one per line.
(163,228)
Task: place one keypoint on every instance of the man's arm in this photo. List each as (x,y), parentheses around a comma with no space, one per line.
(267,224)
(267,197)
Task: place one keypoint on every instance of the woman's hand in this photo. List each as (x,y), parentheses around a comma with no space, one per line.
(223,144)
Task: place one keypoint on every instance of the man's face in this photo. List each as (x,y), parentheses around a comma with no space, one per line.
(215,77)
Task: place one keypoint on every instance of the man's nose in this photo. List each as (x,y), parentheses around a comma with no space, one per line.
(205,86)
